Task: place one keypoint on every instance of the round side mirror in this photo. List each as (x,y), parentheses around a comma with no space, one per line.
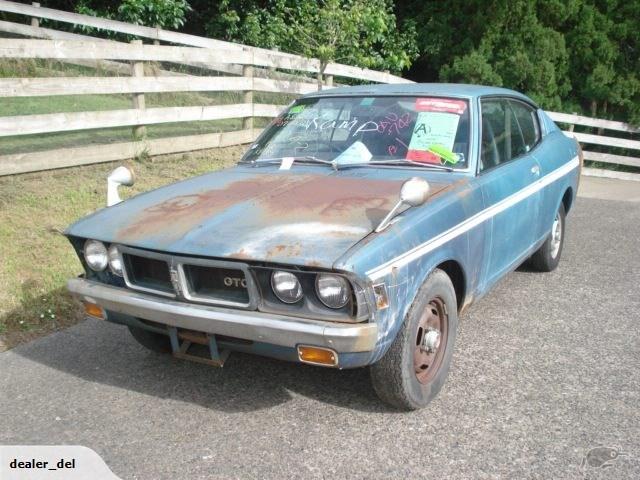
(120,176)
(414,192)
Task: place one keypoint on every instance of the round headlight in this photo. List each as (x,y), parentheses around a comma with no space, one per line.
(333,290)
(115,261)
(95,254)
(286,286)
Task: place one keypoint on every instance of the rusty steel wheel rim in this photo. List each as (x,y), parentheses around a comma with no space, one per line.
(430,341)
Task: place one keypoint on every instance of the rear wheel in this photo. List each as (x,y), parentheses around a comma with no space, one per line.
(414,369)
(156,342)
(547,257)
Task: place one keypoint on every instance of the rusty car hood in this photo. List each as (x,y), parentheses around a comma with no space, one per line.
(310,217)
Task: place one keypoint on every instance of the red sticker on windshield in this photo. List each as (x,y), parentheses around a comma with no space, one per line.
(432,104)
(423,156)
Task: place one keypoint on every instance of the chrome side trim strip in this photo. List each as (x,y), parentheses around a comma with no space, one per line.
(471,222)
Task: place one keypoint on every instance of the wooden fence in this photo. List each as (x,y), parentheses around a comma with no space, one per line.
(239,69)
(244,69)
(588,140)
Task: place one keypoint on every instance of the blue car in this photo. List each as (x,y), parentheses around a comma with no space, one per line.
(354,232)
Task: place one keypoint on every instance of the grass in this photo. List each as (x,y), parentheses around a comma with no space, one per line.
(36,259)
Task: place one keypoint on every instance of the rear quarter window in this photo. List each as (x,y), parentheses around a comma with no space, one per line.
(527,119)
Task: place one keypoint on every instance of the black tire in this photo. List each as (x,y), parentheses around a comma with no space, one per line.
(395,377)
(156,342)
(547,257)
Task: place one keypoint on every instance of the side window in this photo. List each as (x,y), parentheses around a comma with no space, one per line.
(493,114)
(503,125)
(528,122)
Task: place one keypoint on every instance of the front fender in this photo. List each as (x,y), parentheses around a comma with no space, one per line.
(403,285)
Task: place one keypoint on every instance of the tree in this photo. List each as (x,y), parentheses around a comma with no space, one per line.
(604,39)
(495,43)
(358,32)
(152,13)
(581,55)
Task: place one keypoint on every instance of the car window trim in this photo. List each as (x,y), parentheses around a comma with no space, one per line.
(507,98)
(536,121)
(470,103)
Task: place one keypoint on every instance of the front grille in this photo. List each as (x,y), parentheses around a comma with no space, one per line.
(215,285)
(196,280)
(148,273)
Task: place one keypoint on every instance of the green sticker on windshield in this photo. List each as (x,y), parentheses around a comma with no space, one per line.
(433,137)
(297,109)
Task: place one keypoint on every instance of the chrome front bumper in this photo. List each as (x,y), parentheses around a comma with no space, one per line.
(248,325)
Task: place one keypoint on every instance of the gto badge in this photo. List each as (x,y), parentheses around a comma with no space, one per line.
(235,282)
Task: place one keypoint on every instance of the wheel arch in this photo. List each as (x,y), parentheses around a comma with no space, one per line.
(456,274)
(567,199)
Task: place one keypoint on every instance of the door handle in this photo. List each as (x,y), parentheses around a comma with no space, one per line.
(535,170)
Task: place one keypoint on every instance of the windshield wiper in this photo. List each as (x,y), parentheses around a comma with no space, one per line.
(337,165)
(400,161)
(305,159)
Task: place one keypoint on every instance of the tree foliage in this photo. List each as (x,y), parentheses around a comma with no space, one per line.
(578,55)
(152,13)
(359,32)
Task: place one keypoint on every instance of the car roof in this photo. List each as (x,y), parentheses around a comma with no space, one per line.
(460,90)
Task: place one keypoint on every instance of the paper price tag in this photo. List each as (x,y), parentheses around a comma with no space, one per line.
(286,163)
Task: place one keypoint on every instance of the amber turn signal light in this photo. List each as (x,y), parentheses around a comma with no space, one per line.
(94,310)
(317,356)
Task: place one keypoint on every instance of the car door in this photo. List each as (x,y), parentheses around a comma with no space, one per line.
(507,172)
(529,123)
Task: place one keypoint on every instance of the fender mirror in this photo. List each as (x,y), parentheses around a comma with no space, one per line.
(120,176)
(414,192)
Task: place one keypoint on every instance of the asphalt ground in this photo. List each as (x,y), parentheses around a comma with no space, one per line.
(545,369)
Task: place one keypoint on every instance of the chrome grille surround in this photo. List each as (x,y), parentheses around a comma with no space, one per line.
(182,288)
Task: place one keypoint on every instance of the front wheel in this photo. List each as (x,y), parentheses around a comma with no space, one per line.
(414,369)
(547,257)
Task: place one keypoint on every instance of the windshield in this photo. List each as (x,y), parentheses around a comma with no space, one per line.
(361,130)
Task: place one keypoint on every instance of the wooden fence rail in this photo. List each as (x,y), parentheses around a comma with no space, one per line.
(87,155)
(36,87)
(603,140)
(64,122)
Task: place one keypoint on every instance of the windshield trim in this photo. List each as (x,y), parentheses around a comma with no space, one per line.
(472,102)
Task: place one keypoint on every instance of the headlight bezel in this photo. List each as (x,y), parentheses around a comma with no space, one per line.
(99,266)
(356,310)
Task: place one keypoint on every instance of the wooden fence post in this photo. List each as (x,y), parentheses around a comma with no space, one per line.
(137,70)
(35,22)
(572,125)
(329,81)
(247,72)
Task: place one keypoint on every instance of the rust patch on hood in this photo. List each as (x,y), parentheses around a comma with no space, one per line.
(179,214)
(278,198)
(343,206)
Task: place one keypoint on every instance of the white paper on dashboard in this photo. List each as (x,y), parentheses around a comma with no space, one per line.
(356,153)
(286,163)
